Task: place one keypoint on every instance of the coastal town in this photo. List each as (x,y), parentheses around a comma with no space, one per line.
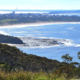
(18,18)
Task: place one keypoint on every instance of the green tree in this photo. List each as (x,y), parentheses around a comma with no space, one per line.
(67,58)
(79,55)
(79,58)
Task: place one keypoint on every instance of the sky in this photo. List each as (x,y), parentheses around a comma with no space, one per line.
(41,4)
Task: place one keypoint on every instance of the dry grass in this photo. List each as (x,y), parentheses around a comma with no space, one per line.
(25,75)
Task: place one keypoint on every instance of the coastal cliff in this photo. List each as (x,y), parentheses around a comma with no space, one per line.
(10,39)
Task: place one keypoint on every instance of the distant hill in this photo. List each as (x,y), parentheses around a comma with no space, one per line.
(10,39)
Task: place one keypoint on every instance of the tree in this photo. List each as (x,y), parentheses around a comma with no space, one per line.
(79,55)
(67,58)
(67,68)
(79,58)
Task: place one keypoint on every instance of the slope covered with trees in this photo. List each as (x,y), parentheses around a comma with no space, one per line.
(14,58)
(10,39)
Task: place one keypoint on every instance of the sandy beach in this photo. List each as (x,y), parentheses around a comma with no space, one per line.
(37,23)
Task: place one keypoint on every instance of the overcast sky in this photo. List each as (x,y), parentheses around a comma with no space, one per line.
(40,4)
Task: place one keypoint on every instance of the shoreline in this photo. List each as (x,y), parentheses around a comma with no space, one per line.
(38,23)
(31,42)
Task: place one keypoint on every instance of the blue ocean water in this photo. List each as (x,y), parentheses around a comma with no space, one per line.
(69,31)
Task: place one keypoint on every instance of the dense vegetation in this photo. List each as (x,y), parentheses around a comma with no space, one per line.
(14,58)
(16,65)
(32,67)
(17,59)
(30,18)
(10,39)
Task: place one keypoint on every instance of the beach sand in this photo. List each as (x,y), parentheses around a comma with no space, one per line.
(37,23)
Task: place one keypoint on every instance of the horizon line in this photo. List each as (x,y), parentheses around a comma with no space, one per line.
(41,9)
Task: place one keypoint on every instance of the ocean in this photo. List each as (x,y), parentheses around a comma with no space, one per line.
(70,31)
